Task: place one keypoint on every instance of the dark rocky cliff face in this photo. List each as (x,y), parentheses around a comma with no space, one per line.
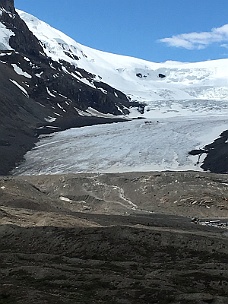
(8,5)
(46,94)
(23,41)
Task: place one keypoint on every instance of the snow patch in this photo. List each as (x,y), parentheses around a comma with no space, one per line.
(49,92)
(20,87)
(50,119)
(65,199)
(94,112)
(5,35)
(19,71)
(103,91)
(61,107)
(39,74)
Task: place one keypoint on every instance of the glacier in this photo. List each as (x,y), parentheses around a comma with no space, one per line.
(155,144)
(184,110)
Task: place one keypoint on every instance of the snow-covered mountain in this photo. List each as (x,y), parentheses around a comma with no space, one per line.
(137,78)
(49,82)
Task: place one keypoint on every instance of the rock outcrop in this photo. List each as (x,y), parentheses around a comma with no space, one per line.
(8,5)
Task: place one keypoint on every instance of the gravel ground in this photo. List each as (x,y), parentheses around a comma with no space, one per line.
(118,238)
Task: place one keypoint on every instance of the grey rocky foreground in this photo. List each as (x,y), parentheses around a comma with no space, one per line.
(118,238)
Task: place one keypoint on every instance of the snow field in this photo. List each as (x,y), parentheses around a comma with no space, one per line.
(199,80)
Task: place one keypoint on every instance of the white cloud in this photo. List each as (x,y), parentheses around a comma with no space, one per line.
(224,45)
(199,40)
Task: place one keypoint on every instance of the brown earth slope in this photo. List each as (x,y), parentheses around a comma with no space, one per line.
(113,238)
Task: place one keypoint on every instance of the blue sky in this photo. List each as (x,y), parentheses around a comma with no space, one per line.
(155,30)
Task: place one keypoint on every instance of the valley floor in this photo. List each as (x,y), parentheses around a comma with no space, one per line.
(118,238)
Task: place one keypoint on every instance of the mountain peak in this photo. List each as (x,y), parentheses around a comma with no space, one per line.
(8,5)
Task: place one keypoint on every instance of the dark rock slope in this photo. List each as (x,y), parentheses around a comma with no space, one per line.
(216,159)
(42,92)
